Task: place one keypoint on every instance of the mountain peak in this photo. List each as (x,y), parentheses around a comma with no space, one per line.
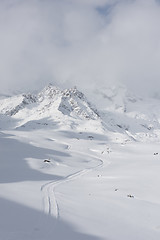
(50,91)
(51,103)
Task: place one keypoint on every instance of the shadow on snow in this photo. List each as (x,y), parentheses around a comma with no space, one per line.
(14,167)
(21,222)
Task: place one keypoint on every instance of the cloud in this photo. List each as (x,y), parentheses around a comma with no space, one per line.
(79,42)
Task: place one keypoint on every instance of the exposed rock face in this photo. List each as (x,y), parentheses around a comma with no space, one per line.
(69,102)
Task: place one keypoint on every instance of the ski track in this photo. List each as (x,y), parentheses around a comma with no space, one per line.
(50,204)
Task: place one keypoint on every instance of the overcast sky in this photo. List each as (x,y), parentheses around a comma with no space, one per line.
(80,42)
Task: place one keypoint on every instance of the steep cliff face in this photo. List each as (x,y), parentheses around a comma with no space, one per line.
(69,102)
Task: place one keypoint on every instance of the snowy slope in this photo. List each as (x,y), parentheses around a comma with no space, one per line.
(119,111)
(68,171)
(51,106)
(124,112)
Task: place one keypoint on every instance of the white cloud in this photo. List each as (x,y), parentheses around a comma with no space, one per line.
(80,42)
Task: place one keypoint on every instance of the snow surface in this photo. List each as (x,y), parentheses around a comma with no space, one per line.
(68,171)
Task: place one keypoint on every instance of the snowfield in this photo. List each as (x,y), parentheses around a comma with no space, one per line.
(68,171)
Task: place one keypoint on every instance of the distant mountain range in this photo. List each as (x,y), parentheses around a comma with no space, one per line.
(114,110)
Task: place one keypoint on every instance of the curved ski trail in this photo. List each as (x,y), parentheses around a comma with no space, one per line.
(50,203)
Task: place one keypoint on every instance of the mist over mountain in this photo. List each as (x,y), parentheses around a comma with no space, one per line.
(80,43)
(79,119)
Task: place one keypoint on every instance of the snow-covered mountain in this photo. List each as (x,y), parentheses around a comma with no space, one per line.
(77,169)
(69,102)
(122,111)
(118,111)
(50,106)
